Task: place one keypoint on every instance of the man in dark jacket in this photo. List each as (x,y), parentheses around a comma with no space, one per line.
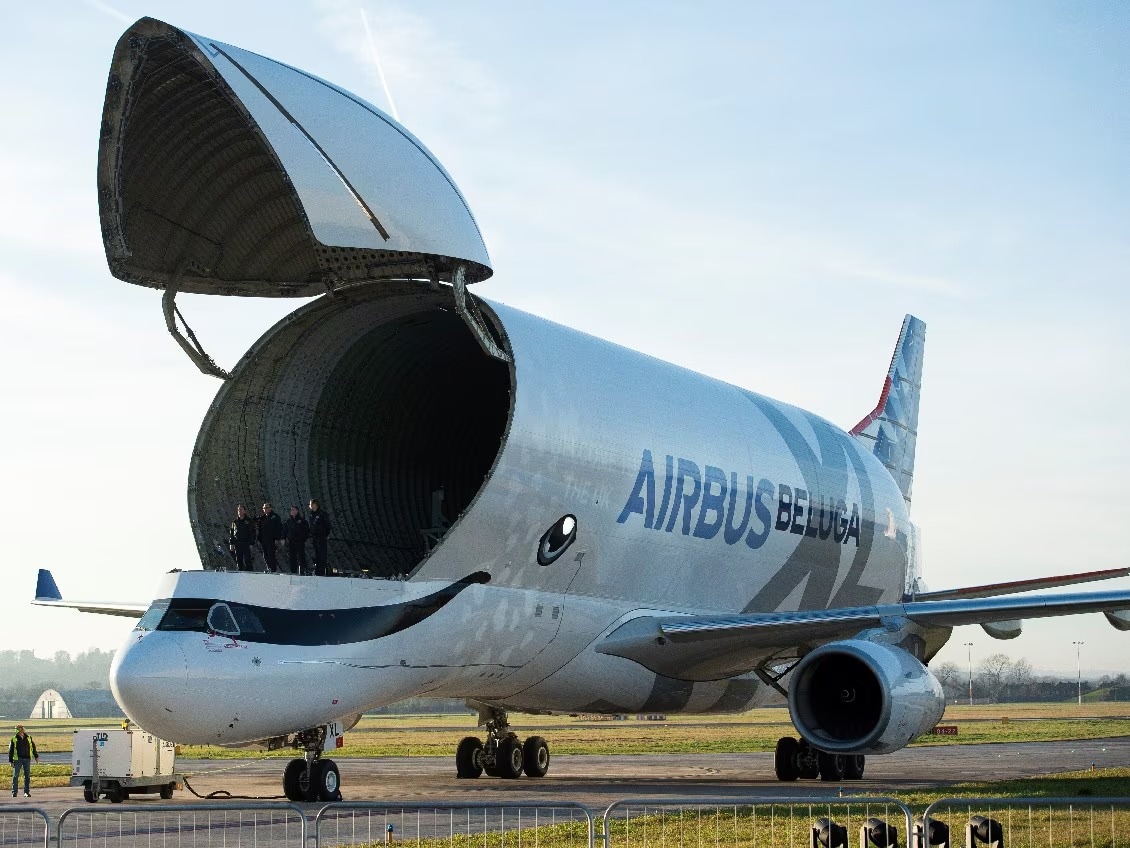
(320,528)
(241,536)
(21,750)
(297,532)
(270,534)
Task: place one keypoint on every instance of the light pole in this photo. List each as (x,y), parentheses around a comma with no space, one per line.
(1079,669)
(969,660)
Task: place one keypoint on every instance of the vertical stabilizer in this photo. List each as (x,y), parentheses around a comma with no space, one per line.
(890,431)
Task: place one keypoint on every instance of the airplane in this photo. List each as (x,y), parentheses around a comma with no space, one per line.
(524,515)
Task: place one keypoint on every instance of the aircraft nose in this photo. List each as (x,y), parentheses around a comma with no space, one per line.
(149,679)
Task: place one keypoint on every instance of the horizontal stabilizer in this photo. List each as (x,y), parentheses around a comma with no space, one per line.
(992,590)
(47,594)
(716,647)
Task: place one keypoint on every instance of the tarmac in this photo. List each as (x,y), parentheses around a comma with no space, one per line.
(596,781)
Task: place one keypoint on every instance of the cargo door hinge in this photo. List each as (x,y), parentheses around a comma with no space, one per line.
(468,310)
(174,320)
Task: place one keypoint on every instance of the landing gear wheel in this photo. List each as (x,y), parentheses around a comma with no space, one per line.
(784,759)
(853,766)
(831,766)
(325,784)
(808,763)
(295,783)
(167,792)
(88,794)
(469,757)
(535,757)
(508,757)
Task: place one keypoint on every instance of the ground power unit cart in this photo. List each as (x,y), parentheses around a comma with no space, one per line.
(118,763)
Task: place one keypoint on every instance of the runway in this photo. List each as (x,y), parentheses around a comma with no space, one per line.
(596,781)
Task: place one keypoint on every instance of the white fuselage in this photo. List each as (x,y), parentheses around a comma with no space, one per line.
(691,496)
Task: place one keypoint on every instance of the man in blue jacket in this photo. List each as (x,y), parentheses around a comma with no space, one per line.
(20,754)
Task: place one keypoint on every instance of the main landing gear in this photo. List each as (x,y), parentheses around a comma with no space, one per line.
(504,754)
(311,778)
(795,758)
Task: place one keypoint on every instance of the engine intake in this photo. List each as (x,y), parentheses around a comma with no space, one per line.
(859,697)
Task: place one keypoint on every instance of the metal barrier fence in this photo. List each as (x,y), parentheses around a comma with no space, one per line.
(803,822)
(23,825)
(1028,823)
(183,826)
(517,824)
(719,822)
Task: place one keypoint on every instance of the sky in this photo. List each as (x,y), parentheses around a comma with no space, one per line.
(755,190)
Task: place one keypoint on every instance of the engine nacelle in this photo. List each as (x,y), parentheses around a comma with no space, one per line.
(859,697)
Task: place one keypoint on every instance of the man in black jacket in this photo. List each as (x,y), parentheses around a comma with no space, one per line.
(270,534)
(297,532)
(320,528)
(241,536)
(21,750)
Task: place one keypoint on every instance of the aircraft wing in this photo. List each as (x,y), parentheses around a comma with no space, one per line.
(47,594)
(993,589)
(714,647)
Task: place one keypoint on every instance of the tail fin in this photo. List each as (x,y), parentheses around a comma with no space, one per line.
(45,587)
(890,431)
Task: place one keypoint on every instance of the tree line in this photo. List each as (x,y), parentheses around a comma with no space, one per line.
(88,670)
(1000,679)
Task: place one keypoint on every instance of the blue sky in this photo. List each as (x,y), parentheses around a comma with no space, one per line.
(758,191)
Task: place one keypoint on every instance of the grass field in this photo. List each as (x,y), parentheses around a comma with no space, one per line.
(758,730)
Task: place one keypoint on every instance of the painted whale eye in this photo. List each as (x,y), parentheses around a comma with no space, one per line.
(556,539)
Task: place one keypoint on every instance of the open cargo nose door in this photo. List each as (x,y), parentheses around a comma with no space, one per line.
(221,171)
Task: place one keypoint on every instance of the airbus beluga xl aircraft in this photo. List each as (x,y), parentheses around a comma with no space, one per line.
(522,514)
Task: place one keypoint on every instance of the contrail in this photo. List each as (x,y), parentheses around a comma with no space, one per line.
(109,10)
(377,62)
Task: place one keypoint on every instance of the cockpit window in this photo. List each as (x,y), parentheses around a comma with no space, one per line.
(186,614)
(220,620)
(152,616)
(247,620)
(281,626)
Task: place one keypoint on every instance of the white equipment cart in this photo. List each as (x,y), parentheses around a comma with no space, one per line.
(117,763)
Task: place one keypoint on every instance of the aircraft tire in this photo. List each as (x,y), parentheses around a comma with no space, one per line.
(535,757)
(469,758)
(325,784)
(831,766)
(784,759)
(808,763)
(293,779)
(853,766)
(508,758)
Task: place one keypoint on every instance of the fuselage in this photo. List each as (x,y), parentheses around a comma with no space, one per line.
(690,496)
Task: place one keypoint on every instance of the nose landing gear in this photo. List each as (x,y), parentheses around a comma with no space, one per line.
(504,754)
(311,778)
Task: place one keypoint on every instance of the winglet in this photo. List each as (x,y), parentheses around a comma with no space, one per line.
(45,587)
(890,430)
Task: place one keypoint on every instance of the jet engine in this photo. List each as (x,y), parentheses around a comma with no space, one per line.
(860,697)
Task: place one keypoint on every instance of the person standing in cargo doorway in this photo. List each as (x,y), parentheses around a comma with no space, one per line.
(241,536)
(297,532)
(270,534)
(20,754)
(320,528)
